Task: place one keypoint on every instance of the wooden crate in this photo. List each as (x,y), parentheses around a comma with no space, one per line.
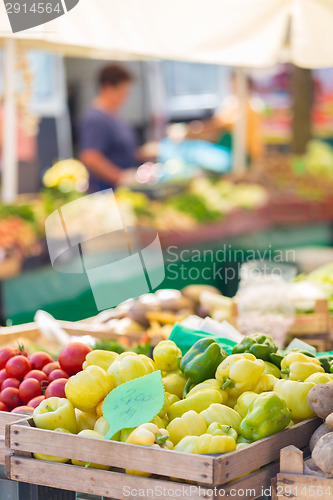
(314,328)
(291,482)
(208,471)
(5,418)
(30,331)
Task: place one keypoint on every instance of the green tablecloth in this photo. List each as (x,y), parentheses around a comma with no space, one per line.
(69,297)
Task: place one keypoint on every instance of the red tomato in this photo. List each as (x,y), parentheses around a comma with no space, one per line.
(17,367)
(10,382)
(3,375)
(20,351)
(40,359)
(29,389)
(3,407)
(23,409)
(10,397)
(34,402)
(72,357)
(57,374)
(56,388)
(37,374)
(5,354)
(50,367)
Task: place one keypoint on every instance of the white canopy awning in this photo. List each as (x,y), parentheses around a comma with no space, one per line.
(237,32)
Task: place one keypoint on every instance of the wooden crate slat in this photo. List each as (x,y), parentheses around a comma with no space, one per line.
(292,483)
(90,481)
(8,418)
(203,468)
(232,465)
(258,481)
(299,487)
(113,453)
(109,483)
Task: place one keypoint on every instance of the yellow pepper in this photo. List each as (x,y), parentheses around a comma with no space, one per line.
(222,415)
(148,435)
(168,401)
(165,355)
(90,434)
(272,369)
(211,383)
(102,427)
(265,383)
(174,382)
(298,366)
(198,402)
(158,421)
(320,378)
(98,357)
(206,443)
(189,424)
(85,420)
(87,388)
(129,366)
(53,413)
(244,401)
(99,409)
(295,395)
(222,430)
(239,373)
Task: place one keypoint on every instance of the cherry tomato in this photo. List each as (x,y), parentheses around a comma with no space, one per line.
(23,409)
(17,367)
(37,374)
(50,367)
(3,375)
(29,389)
(20,351)
(3,407)
(57,374)
(34,402)
(40,359)
(56,388)
(72,357)
(5,354)
(10,382)
(10,397)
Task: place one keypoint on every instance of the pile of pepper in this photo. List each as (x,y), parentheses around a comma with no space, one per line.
(214,402)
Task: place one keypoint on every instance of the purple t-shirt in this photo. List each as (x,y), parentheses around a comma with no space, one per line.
(112,137)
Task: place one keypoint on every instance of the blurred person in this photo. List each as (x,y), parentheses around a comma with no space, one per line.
(219,128)
(108,146)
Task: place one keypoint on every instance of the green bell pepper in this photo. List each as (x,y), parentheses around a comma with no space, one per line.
(276,358)
(267,415)
(258,344)
(325,362)
(302,351)
(331,367)
(200,362)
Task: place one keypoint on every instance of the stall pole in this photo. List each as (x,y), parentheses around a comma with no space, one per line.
(9,157)
(240,126)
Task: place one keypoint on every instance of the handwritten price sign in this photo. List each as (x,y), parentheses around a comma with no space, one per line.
(134,403)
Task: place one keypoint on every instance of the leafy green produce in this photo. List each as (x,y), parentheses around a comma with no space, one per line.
(195,206)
